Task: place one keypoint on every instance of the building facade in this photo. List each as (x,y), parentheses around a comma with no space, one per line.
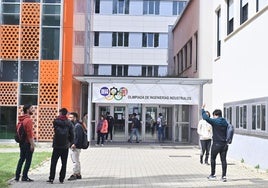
(239,69)
(36,63)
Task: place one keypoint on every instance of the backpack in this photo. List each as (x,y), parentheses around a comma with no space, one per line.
(61,134)
(21,135)
(230,133)
(85,141)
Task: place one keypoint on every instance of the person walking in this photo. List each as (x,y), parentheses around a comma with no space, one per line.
(63,137)
(76,146)
(219,145)
(204,130)
(110,120)
(26,147)
(160,127)
(136,125)
(102,129)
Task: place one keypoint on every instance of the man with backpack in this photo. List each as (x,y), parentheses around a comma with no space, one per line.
(76,146)
(219,144)
(136,125)
(63,137)
(26,146)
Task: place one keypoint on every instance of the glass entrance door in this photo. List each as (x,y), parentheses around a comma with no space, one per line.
(150,124)
(119,123)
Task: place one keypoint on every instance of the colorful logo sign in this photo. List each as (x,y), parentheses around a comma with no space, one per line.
(113,93)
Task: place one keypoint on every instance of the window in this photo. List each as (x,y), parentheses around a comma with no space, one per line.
(10,13)
(150,40)
(151,7)
(79,38)
(51,15)
(242,116)
(96,39)
(120,6)
(178,7)
(219,33)
(29,71)
(230,16)
(258,117)
(50,43)
(243,11)
(28,94)
(120,39)
(8,71)
(260,4)
(149,71)
(196,51)
(97,6)
(119,70)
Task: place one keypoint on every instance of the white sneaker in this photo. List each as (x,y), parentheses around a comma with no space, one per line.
(96,144)
(224,179)
(102,145)
(211,177)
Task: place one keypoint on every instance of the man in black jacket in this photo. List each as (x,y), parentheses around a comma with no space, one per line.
(76,146)
(63,137)
(219,144)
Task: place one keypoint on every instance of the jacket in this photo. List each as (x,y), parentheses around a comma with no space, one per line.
(63,133)
(78,135)
(219,127)
(102,126)
(28,126)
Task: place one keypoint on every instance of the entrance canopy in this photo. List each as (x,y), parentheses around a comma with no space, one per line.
(145,90)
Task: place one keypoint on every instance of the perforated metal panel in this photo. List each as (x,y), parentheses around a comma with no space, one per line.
(30,14)
(30,42)
(48,93)
(9,42)
(46,117)
(8,93)
(34,118)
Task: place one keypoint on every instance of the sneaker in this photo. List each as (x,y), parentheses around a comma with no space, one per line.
(27,179)
(96,144)
(102,145)
(50,181)
(111,140)
(224,179)
(211,177)
(72,177)
(78,176)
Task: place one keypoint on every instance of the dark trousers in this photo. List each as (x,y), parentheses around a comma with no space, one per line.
(161,134)
(56,154)
(100,136)
(25,155)
(110,132)
(222,149)
(205,148)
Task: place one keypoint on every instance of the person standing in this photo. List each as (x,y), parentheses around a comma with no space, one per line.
(136,125)
(63,137)
(110,121)
(219,145)
(160,127)
(102,129)
(204,131)
(27,147)
(76,146)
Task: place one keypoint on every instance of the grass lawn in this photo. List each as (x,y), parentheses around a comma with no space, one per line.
(8,164)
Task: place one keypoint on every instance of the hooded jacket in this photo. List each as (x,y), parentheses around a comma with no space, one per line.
(28,126)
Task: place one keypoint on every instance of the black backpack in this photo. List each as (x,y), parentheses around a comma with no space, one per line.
(85,141)
(21,135)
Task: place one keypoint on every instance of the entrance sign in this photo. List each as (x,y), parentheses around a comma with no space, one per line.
(145,93)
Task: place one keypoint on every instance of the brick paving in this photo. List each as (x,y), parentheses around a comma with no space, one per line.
(145,165)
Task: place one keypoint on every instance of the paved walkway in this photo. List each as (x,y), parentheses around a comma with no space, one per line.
(145,165)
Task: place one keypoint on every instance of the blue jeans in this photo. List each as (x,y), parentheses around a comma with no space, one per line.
(25,155)
(134,131)
(160,131)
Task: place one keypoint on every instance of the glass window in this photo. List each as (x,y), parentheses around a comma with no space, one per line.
(32,1)
(51,15)
(243,11)
(10,8)
(151,7)
(11,1)
(28,94)
(96,38)
(260,4)
(29,71)
(97,6)
(178,7)
(230,16)
(263,117)
(51,1)
(219,33)
(120,39)
(10,14)
(8,121)
(150,40)
(8,71)
(134,70)
(50,43)
(120,6)
(254,117)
